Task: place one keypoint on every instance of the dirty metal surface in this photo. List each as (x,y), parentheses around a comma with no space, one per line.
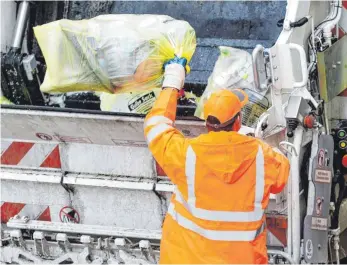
(81,128)
(112,145)
(90,143)
(67,248)
(131,208)
(85,229)
(332,70)
(336,110)
(114,160)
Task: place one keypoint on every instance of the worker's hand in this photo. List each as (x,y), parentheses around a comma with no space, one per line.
(175,73)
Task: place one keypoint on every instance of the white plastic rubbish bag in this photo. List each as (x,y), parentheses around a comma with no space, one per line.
(233,69)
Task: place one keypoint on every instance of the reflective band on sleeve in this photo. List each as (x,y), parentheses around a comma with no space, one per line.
(156,131)
(219,235)
(223,216)
(156,120)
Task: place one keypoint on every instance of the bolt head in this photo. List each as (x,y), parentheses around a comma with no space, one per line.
(286,24)
(119,242)
(38,235)
(61,237)
(144,244)
(86,239)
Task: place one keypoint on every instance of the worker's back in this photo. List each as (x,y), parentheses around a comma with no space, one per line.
(223,183)
(225,186)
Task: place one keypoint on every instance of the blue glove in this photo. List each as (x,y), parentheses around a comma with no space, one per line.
(182,61)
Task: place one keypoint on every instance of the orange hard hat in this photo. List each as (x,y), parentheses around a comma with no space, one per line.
(224,104)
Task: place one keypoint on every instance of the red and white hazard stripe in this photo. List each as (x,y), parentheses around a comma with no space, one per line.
(26,154)
(34,212)
(277,229)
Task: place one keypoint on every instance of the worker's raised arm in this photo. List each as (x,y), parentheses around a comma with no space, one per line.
(276,168)
(164,141)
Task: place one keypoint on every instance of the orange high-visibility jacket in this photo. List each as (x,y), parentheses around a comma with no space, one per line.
(223,183)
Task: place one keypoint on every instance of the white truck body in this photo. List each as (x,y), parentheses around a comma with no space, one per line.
(82,186)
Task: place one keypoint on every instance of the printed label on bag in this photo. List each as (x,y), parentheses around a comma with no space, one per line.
(142,103)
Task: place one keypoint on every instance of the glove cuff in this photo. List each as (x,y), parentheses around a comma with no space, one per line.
(172,81)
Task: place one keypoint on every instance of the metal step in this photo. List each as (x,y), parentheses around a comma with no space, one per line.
(96,230)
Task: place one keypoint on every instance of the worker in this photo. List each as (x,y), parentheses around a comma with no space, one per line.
(222,179)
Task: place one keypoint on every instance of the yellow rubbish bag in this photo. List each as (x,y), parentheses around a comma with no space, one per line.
(112,53)
(5,101)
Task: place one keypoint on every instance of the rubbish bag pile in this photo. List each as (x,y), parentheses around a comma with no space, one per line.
(121,58)
(233,69)
(111,53)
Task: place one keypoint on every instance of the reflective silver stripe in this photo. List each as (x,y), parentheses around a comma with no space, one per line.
(156,120)
(190,173)
(223,216)
(156,131)
(260,179)
(220,235)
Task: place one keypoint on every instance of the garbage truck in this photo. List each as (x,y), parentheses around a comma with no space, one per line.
(79,185)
